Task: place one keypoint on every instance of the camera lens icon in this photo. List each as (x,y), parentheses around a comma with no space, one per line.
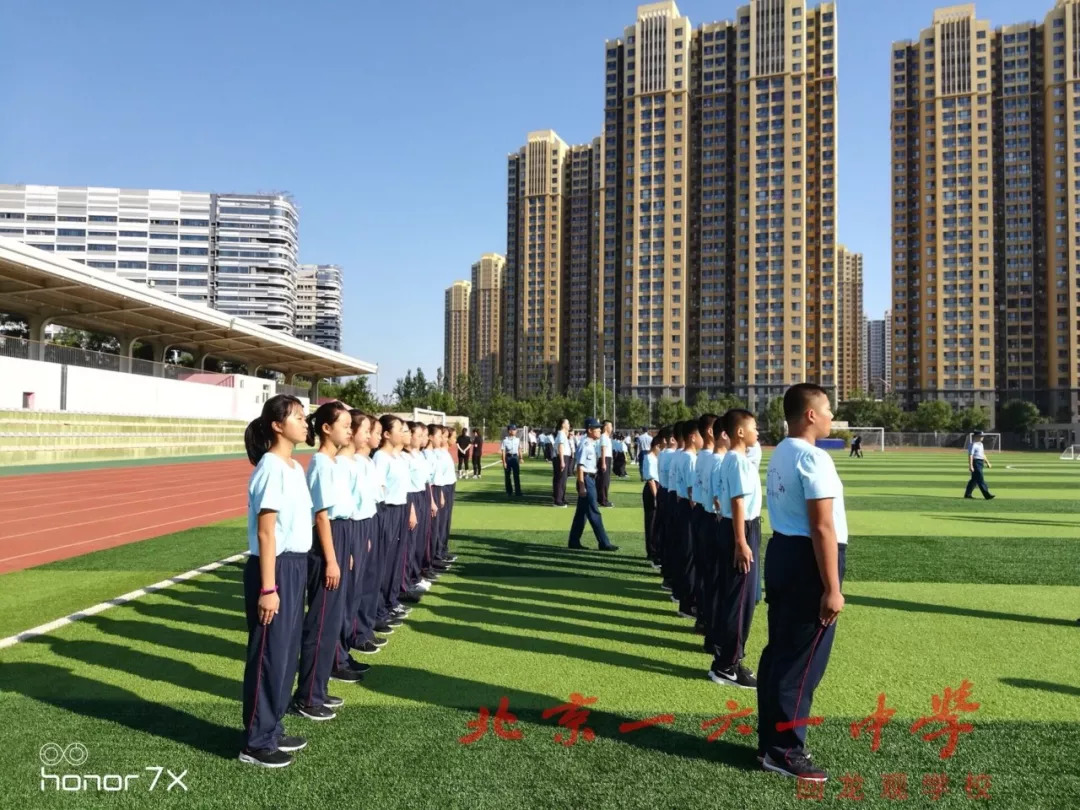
(53,754)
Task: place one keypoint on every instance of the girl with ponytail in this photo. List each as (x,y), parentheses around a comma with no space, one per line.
(275,578)
(332,509)
(398,518)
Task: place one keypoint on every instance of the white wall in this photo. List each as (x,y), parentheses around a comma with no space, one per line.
(91,390)
(42,379)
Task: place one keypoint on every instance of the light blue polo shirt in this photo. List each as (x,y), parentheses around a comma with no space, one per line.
(663,467)
(393,471)
(712,484)
(351,470)
(586,455)
(279,487)
(511,445)
(702,470)
(370,488)
(418,471)
(562,444)
(683,472)
(649,466)
(330,490)
(644,442)
(740,478)
(799,472)
(606,448)
(444,468)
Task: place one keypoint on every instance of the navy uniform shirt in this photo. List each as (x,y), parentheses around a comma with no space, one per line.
(586,455)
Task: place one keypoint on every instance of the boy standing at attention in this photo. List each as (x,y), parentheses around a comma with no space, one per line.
(739,550)
(804,570)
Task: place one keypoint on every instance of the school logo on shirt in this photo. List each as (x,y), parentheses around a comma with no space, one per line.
(74,755)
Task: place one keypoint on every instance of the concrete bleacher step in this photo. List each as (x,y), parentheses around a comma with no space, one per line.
(44,437)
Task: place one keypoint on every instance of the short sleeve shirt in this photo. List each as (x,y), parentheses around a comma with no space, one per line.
(663,467)
(605,446)
(278,486)
(330,489)
(649,468)
(392,470)
(684,472)
(511,445)
(739,478)
(562,444)
(644,442)
(702,470)
(977,451)
(799,472)
(586,455)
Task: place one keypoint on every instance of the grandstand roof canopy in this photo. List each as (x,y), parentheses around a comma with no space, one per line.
(36,283)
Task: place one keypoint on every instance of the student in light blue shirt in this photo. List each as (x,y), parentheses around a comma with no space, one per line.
(398,516)
(738,550)
(644,444)
(275,578)
(560,465)
(685,582)
(606,454)
(650,495)
(703,522)
(356,625)
(802,580)
(445,482)
(587,506)
(332,504)
(422,502)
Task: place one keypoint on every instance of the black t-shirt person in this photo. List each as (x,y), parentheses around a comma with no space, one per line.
(463,443)
(477,446)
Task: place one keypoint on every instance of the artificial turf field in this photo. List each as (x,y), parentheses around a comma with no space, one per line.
(938,590)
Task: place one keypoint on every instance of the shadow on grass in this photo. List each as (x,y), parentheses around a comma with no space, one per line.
(438,689)
(1011,521)
(951,610)
(509,619)
(501,603)
(518,551)
(1042,686)
(60,687)
(536,593)
(522,642)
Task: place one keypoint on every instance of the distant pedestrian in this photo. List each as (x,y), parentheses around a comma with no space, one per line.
(976,461)
(856,447)
(510,454)
(477,452)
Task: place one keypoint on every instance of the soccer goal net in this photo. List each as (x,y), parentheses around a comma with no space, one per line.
(1072,453)
(873,438)
(991,441)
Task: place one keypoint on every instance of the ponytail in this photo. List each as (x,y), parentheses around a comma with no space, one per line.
(259,435)
(387,420)
(324,415)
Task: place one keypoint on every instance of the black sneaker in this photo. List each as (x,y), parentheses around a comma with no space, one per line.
(609,548)
(290,744)
(400,612)
(383,629)
(378,641)
(797,766)
(410,597)
(737,675)
(265,758)
(394,621)
(450,558)
(346,675)
(332,702)
(439,565)
(356,666)
(367,648)
(318,713)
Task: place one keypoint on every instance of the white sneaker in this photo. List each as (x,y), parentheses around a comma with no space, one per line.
(424,585)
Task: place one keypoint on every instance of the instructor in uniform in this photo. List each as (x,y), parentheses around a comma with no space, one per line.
(511,461)
(585,463)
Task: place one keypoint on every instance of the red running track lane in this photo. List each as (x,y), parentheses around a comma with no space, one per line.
(53,516)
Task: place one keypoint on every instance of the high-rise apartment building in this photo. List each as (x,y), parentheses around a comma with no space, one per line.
(485,319)
(318,304)
(718,175)
(850,320)
(235,253)
(548,257)
(985,265)
(877,337)
(456,332)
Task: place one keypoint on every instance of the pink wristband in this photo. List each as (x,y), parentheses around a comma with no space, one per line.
(268,591)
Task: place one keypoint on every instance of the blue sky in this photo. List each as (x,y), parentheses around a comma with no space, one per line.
(389,123)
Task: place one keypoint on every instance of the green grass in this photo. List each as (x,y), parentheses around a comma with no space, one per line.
(938,590)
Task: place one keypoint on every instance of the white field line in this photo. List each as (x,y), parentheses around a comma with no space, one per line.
(48,627)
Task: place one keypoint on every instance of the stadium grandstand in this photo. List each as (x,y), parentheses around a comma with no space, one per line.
(59,403)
